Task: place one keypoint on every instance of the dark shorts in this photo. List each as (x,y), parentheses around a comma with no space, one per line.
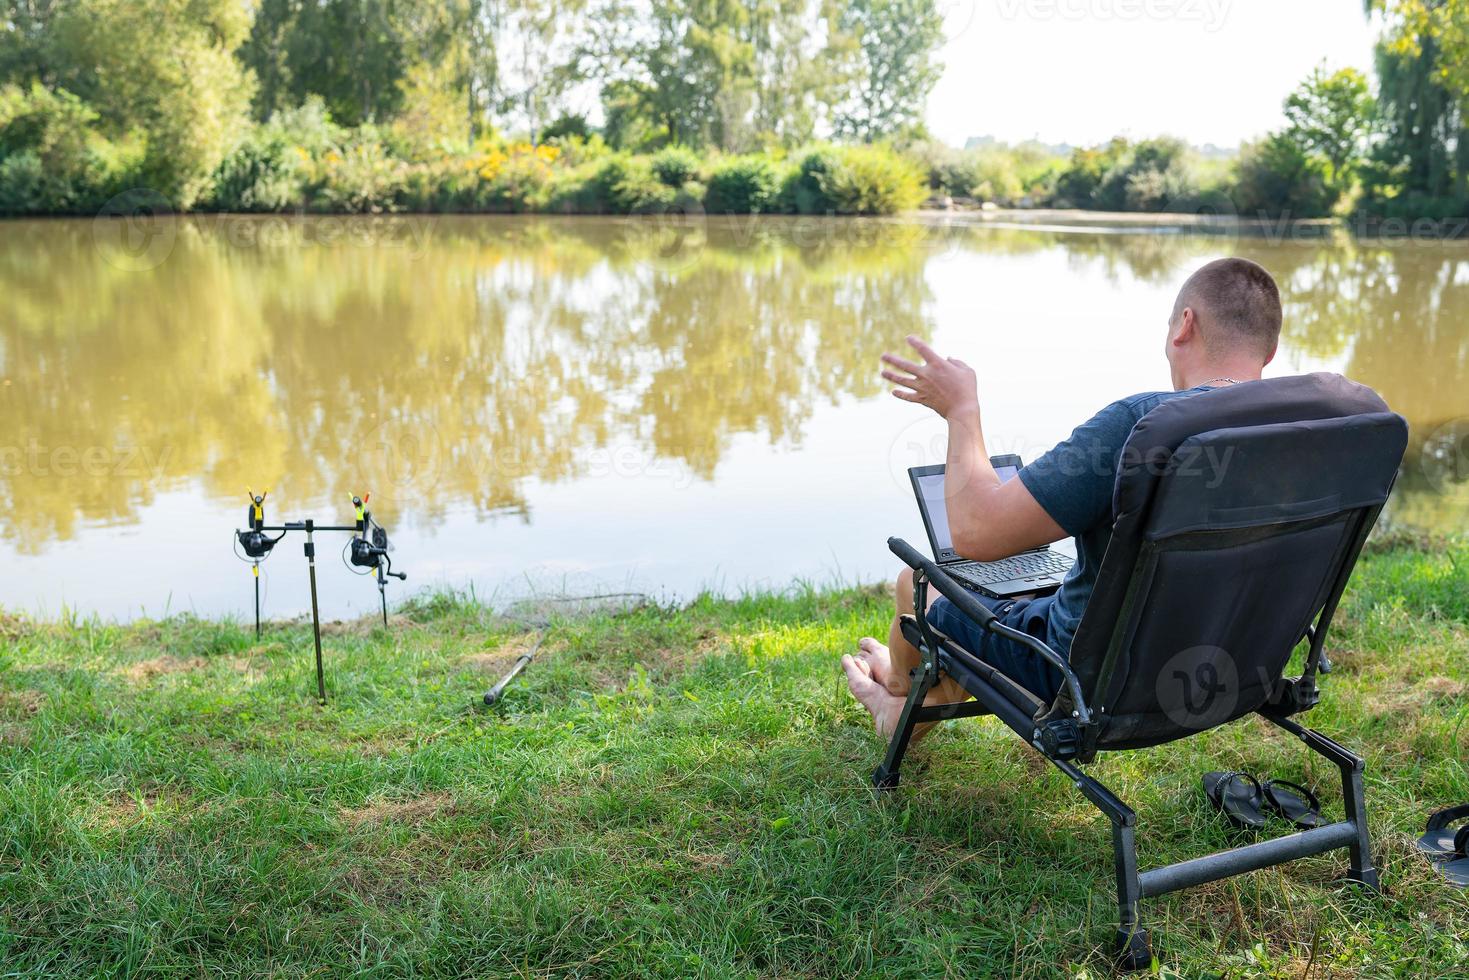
(1016,662)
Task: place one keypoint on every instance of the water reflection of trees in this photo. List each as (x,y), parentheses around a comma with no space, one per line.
(448,361)
(451,368)
(1400,317)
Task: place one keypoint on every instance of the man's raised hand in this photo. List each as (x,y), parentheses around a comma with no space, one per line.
(945,384)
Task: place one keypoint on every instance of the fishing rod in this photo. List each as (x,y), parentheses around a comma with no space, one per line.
(542,627)
(368,548)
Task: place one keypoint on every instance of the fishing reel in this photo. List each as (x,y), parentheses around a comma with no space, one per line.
(370,554)
(369,547)
(255,543)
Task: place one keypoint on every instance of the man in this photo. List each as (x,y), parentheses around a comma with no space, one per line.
(1223,330)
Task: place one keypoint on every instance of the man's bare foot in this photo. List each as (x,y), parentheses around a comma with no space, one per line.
(880,659)
(877,657)
(871,694)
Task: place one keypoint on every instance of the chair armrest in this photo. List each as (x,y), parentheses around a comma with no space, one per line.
(965,602)
(948,588)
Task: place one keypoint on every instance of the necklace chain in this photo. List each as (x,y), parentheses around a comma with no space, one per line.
(1228,381)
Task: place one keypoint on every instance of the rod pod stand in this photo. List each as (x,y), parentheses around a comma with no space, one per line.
(382,592)
(309,528)
(258,549)
(256,570)
(310,549)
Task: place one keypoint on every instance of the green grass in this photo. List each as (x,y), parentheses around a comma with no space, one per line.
(667,792)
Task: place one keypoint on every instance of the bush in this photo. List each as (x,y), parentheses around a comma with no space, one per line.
(523,180)
(360,176)
(270,169)
(1006,175)
(875,180)
(806,187)
(52,160)
(1174,189)
(1277,178)
(25,187)
(1079,183)
(617,184)
(855,180)
(992,176)
(1153,175)
(576,151)
(261,175)
(446,184)
(744,185)
(567,126)
(1141,177)
(675,165)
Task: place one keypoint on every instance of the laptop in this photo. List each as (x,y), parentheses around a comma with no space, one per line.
(1039,570)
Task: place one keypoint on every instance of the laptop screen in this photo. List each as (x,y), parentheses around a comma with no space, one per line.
(931,491)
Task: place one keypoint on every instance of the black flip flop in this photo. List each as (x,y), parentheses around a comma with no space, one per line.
(1438,841)
(1457,867)
(1447,846)
(1238,796)
(1292,801)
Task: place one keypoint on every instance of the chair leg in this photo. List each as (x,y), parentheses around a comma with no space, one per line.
(1133,944)
(1361,871)
(1354,801)
(886,774)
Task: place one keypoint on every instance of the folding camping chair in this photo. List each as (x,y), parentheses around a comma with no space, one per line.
(1238,516)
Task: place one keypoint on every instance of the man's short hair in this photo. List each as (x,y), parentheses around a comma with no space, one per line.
(1236,302)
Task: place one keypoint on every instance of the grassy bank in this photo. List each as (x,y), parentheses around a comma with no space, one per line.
(667,792)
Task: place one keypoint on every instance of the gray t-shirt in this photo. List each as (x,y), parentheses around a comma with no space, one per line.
(1074,484)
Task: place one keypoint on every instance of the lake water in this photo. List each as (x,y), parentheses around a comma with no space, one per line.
(578,405)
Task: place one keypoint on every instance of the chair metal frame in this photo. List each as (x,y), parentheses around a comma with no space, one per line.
(1067,743)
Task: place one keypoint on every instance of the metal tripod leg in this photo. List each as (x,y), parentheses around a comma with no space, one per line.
(315,615)
(383,594)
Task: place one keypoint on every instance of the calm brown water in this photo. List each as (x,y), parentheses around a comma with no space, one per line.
(575,405)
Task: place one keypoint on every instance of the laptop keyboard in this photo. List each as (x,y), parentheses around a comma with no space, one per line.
(1024,566)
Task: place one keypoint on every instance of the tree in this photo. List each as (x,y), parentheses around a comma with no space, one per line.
(536,36)
(1419,163)
(1331,115)
(163,70)
(1305,169)
(1435,30)
(25,40)
(682,69)
(893,67)
(352,53)
(734,74)
(799,54)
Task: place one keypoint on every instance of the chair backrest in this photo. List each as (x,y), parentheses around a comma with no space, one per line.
(1238,515)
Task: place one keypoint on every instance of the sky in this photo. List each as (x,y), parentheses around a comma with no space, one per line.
(1083,71)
